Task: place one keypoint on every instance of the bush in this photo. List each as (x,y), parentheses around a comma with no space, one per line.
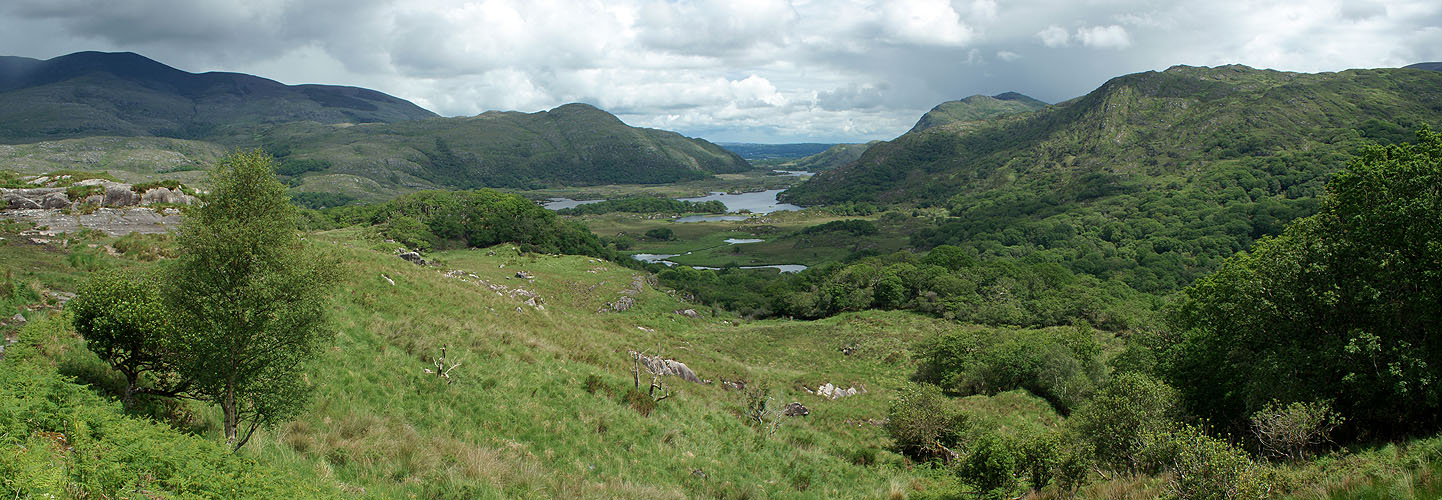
(640,401)
(593,384)
(320,201)
(78,194)
(991,466)
(1291,431)
(1204,467)
(170,184)
(1059,365)
(60,440)
(661,233)
(1123,419)
(923,423)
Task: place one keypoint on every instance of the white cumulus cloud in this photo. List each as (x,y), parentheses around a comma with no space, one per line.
(1104,37)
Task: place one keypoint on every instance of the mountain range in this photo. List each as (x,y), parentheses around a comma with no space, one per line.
(125,94)
(346,138)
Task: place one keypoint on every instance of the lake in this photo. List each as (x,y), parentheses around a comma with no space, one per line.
(564,203)
(712,218)
(658,258)
(760,202)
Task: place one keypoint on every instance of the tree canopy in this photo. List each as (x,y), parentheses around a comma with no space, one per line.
(1344,305)
(250,294)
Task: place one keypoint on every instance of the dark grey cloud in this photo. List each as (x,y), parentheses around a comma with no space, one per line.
(755,70)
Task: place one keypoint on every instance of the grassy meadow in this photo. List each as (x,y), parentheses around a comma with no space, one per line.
(537,405)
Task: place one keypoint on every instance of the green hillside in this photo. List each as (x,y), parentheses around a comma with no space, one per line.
(575,144)
(125,94)
(1183,167)
(537,405)
(976,108)
(833,157)
(124,112)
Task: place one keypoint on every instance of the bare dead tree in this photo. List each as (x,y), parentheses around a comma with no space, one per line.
(443,369)
(657,384)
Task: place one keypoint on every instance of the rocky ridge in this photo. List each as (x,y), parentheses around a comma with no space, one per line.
(57,205)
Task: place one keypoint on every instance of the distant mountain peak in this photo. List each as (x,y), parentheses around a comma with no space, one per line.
(977,107)
(1430,66)
(127,94)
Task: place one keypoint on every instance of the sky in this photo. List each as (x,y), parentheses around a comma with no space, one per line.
(770,71)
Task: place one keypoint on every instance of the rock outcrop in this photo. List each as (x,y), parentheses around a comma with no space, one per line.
(665,367)
(50,195)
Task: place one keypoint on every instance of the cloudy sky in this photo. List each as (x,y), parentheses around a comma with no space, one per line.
(727,70)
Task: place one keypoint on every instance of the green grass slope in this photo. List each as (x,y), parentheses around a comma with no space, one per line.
(836,156)
(536,405)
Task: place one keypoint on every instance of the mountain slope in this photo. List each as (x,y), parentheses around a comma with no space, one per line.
(574,144)
(754,151)
(1151,125)
(975,108)
(1153,178)
(125,94)
(833,157)
(1430,66)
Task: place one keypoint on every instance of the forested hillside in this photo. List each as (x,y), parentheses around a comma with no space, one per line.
(1152,178)
(574,144)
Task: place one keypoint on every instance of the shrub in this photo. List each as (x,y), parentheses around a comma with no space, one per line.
(593,383)
(170,184)
(1122,420)
(1059,365)
(640,401)
(78,194)
(661,233)
(1204,467)
(1290,431)
(320,201)
(991,466)
(410,232)
(477,219)
(923,423)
